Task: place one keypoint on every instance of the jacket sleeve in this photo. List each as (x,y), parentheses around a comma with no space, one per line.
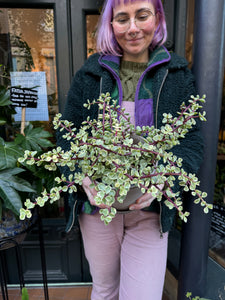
(73,112)
(191,148)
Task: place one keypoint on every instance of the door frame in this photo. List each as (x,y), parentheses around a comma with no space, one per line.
(78,28)
(70,41)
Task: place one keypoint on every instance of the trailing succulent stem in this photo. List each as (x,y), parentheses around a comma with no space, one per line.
(190,297)
(117,155)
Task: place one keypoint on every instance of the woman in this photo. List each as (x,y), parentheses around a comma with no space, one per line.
(127,258)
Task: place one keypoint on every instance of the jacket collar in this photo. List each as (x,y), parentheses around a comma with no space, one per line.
(157,57)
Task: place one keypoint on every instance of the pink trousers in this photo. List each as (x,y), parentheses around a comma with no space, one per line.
(127,258)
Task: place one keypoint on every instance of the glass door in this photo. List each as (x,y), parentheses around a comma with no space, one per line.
(34,51)
(28,59)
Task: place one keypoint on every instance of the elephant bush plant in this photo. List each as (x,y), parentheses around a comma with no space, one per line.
(116,155)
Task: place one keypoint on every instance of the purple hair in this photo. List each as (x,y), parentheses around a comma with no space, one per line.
(106,41)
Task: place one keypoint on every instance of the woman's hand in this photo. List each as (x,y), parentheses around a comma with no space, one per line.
(91,193)
(145,200)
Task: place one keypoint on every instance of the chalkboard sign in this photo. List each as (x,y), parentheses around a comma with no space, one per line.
(218,220)
(217,235)
(23,97)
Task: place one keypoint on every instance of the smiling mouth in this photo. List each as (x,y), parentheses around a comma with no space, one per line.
(134,40)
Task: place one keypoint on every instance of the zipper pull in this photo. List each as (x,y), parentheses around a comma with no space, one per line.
(160,222)
(161,233)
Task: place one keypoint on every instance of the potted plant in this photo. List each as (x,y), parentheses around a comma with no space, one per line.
(17,180)
(117,156)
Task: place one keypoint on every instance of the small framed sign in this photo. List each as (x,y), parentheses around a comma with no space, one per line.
(217,235)
(29,83)
(24,97)
(218,220)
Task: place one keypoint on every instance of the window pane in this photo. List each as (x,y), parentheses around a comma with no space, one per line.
(91,23)
(27,44)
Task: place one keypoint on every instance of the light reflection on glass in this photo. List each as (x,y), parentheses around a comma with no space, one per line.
(29,45)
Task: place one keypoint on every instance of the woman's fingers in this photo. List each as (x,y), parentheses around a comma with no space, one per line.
(143,201)
(91,193)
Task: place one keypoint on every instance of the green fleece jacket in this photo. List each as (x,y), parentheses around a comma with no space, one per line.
(167,82)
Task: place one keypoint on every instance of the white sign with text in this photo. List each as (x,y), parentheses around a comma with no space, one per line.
(30,80)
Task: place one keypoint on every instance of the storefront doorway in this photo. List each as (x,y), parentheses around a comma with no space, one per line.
(55,37)
(50,39)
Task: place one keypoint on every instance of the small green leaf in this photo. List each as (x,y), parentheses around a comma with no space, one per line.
(206,210)
(188,294)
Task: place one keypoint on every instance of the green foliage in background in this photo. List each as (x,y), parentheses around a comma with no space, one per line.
(17,180)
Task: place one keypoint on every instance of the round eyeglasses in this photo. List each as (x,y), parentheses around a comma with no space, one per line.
(122,22)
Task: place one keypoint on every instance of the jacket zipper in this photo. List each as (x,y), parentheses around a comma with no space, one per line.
(156,125)
(116,78)
(157,102)
(100,87)
(160,223)
(73,220)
